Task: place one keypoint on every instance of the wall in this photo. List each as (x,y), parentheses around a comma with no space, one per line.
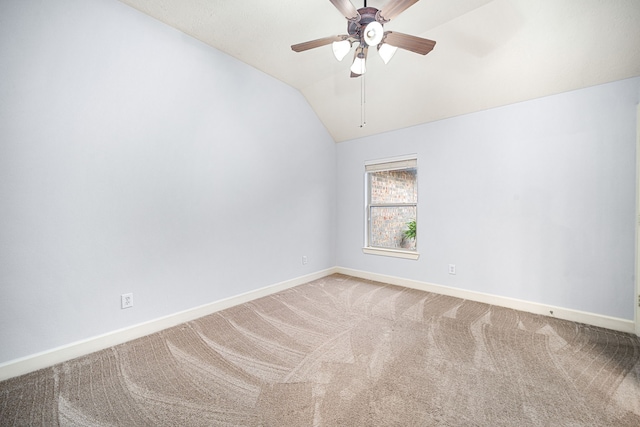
(136,159)
(533,201)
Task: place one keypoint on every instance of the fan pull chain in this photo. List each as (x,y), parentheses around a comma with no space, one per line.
(363,103)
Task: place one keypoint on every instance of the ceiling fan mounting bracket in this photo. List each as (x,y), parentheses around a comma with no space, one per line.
(381,18)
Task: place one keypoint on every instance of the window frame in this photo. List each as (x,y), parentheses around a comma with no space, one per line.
(394,163)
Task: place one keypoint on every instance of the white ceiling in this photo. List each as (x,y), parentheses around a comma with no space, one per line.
(489,53)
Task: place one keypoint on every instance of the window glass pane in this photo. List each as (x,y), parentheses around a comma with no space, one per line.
(388,225)
(395,186)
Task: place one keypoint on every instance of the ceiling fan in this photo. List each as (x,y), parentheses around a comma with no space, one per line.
(365,28)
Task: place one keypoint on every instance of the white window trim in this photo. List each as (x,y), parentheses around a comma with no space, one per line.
(397,253)
(400,162)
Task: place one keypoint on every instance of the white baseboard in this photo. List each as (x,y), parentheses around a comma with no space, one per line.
(34,362)
(614,323)
(24,365)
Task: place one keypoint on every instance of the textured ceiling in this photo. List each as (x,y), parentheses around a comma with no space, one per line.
(489,53)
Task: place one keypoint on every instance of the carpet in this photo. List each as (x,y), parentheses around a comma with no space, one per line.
(341,351)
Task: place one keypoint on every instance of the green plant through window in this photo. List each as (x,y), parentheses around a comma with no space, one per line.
(410,232)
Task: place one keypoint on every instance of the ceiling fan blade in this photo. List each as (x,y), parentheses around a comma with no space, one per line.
(346,8)
(301,47)
(412,43)
(395,8)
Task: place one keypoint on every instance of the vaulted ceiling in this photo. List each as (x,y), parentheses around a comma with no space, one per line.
(489,53)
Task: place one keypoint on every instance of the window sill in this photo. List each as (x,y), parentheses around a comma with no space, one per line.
(396,253)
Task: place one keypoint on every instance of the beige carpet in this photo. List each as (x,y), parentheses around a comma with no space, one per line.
(348,352)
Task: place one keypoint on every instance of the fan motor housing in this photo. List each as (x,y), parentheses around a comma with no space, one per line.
(367,15)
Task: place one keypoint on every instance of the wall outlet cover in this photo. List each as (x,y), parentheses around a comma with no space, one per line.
(126,300)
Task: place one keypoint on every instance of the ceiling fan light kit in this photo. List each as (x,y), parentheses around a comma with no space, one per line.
(359,66)
(341,48)
(386,52)
(365,27)
(373,33)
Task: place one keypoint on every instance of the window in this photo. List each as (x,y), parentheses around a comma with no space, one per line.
(391,207)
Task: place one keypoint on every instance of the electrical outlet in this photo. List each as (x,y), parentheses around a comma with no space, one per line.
(452,269)
(126,300)
(304,260)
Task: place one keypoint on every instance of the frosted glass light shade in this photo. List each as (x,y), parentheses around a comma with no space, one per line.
(373,33)
(341,48)
(386,52)
(359,65)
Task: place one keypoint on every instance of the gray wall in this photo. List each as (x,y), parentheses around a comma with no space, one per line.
(136,159)
(533,201)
